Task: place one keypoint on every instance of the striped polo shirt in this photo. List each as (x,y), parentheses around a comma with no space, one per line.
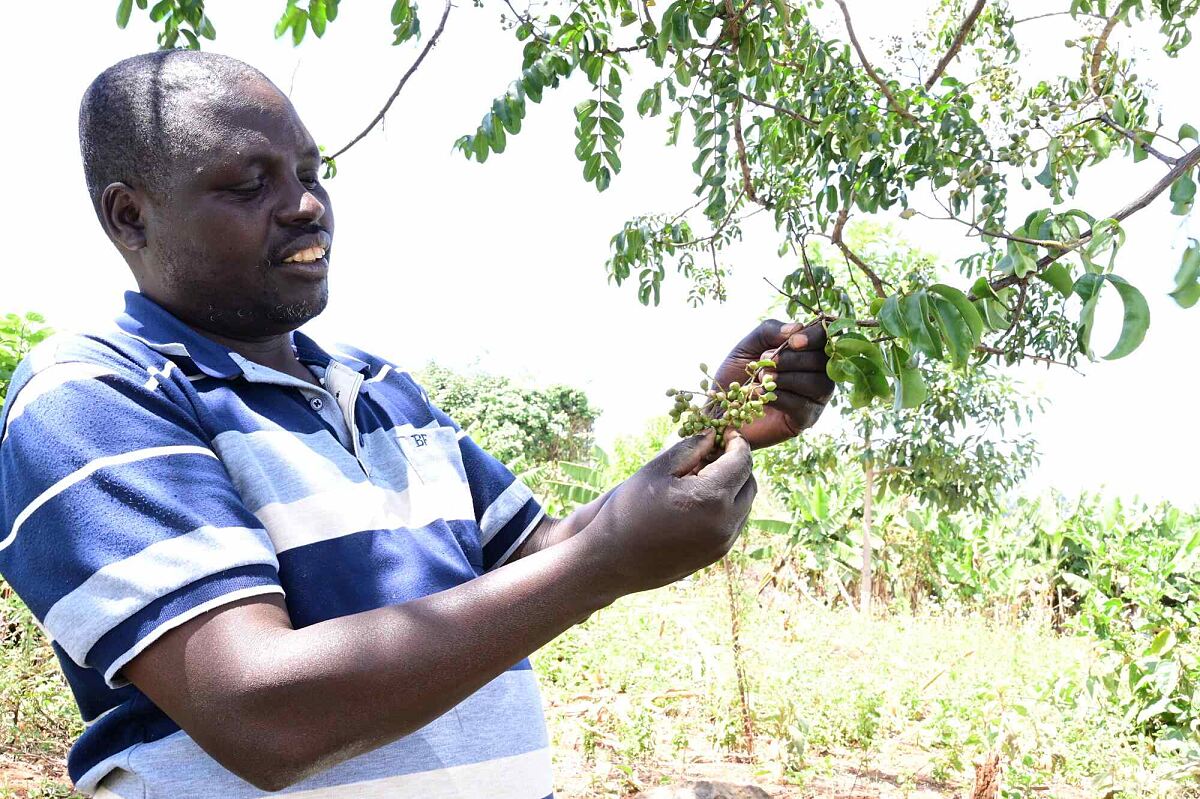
(148,475)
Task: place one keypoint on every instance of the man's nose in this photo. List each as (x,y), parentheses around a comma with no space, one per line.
(302,210)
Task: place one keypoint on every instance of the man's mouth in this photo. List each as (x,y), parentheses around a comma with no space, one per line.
(307,256)
(306,249)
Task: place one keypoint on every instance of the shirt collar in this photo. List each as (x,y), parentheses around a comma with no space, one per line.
(158,329)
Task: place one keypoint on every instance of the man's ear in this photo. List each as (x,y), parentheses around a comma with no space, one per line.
(122,217)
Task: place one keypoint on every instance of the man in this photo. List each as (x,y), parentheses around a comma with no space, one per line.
(269,568)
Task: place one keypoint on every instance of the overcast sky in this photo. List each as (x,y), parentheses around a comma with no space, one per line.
(500,266)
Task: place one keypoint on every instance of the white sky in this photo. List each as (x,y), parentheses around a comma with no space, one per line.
(500,266)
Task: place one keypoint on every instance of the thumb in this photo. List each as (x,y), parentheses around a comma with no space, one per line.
(686,456)
(731,470)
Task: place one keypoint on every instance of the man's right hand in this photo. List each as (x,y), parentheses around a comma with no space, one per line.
(676,515)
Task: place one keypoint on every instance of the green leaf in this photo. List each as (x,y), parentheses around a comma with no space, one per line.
(206,28)
(1046,177)
(1059,278)
(299,27)
(124,9)
(1088,288)
(1183,192)
(954,330)
(318,17)
(994,313)
(849,346)
(591,167)
(585,108)
(1136,322)
(1163,643)
(1186,131)
(918,327)
(1187,279)
(610,126)
(890,317)
(911,390)
(1100,142)
(603,178)
(983,288)
(964,308)
(160,10)
(399,11)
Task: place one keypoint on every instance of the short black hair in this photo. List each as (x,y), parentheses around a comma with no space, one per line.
(130,128)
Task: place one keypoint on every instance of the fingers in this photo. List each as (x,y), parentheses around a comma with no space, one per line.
(810,338)
(744,499)
(767,336)
(806,361)
(730,471)
(686,456)
(814,386)
(801,412)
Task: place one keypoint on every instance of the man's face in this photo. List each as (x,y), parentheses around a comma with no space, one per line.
(239,244)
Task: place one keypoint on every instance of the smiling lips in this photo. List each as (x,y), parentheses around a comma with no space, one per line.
(306,256)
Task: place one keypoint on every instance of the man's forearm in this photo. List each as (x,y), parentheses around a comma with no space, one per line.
(551,531)
(313,697)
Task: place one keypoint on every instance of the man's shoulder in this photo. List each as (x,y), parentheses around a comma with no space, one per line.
(112,350)
(77,359)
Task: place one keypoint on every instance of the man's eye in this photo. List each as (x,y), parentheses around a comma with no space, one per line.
(249,187)
(310,181)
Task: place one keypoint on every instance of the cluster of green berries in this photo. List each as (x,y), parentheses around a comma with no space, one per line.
(727,408)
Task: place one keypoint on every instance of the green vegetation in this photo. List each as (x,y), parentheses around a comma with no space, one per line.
(524,426)
(789,111)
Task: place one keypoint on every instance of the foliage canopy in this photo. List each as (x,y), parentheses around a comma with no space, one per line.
(790,113)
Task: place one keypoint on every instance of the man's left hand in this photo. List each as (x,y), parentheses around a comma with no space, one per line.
(802,386)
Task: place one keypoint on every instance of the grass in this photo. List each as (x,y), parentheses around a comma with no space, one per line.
(902,706)
(645,692)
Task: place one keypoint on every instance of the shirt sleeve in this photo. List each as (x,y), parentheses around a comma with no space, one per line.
(505,508)
(117,520)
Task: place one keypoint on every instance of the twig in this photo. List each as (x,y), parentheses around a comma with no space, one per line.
(745,162)
(1026,356)
(793,298)
(850,255)
(1129,134)
(879,81)
(1098,56)
(780,109)
(1182,167)
(403,80)
(959,38)
(1036,17)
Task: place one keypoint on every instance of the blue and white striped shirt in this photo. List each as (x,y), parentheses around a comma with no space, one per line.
(148,475)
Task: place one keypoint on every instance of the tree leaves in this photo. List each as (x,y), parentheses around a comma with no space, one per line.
(1187,279)
(940,320)
(1136,319)
(1183,193)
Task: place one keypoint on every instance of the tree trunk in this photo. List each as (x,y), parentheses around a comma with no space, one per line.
(866,578)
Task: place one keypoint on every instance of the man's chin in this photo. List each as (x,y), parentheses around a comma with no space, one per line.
(296,312)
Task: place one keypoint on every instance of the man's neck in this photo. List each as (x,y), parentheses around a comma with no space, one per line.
(274,352)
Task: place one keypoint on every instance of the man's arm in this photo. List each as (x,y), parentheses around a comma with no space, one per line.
(551,530)
(274,704)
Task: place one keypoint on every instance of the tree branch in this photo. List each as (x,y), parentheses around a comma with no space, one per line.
(779,109)
(850,255)
(747,183)
(1108,121)
(959,39)
(1098,54)
(879,81)
(1184,165)
(403,80)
